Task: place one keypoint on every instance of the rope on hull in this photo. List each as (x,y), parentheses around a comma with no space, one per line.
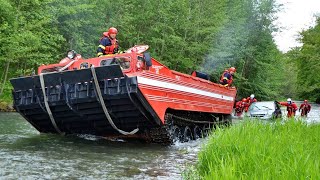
(105,110)
(45,99)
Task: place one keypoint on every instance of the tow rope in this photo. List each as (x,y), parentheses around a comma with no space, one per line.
(66,66)
(105,110)
(45,99)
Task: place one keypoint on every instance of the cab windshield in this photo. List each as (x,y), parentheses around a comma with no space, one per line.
(124,62)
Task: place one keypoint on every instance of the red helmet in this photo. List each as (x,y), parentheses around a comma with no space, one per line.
(113,30)
(244,100)
(232,69)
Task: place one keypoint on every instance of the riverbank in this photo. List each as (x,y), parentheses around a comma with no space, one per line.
(6,107)
(255,150)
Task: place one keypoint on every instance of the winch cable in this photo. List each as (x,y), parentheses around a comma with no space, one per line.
(105,110)
(45,99)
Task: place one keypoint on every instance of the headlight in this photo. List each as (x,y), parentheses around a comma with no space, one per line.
(71,54)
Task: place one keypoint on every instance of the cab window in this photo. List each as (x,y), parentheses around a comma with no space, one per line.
(124,62)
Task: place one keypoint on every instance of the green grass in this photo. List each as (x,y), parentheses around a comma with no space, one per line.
(6,96)
(5,99)
(256,150)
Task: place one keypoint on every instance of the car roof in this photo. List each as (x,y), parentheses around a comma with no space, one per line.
(264,102)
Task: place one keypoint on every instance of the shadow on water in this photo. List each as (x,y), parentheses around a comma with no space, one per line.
(26,153)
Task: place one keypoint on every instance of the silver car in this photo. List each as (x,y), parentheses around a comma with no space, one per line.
(265,110)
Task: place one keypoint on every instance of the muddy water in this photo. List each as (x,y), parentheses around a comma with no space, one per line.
(26,154)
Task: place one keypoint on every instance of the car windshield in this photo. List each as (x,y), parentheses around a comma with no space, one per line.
(262,106)
(124,62)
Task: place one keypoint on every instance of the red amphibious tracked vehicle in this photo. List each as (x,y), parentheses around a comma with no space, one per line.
(128,95)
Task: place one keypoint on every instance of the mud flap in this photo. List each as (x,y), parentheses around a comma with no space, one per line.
(69,77)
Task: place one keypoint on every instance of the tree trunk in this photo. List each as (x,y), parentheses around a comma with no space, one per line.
(24,68)
(5,78)
(2,74)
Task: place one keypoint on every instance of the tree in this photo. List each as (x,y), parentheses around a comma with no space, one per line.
(184,35)
(308,63)
(245,41)
(27,38)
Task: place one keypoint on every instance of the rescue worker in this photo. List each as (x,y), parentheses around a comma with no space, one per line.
(291,107)
(240,107)
(227,77)
(222,75)
(305,108)
(108,43)
(249,101)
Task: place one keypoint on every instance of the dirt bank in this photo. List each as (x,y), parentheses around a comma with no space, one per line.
(6,107)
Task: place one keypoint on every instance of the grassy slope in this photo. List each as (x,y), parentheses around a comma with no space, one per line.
(255,150)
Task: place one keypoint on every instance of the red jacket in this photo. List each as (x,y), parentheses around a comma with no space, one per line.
(107,45)
(240,105)
(226,78)
(305,109)
(249,101)
(291,108)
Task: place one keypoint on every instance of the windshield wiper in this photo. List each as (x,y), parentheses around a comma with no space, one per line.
(266,107)
(257,107)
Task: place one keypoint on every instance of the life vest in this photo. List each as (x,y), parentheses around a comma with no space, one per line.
(305,108)
(114,46)
(290,108)
(222,76)
(239,106)
(111,49)
(224,80)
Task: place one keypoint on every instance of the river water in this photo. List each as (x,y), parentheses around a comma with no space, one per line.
(313,116)
(27,154)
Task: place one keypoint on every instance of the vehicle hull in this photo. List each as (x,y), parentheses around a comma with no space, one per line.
(153,102)
(163,93)
(76,107)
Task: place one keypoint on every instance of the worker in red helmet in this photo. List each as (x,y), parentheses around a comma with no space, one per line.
(227,77)
(222,75)
(240,107)
(251,99)
(108,43)
(305,108)
(291,107)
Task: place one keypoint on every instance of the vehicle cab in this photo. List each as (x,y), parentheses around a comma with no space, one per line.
(132,60)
